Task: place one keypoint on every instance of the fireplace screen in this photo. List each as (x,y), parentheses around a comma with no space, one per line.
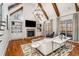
(30,33)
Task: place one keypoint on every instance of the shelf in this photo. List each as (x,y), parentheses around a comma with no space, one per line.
(2,21)
(16,27)
(2,25)
(0,41)
(1,29)
(1,34)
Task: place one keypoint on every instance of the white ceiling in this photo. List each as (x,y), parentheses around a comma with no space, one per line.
(66,8)
(49,10)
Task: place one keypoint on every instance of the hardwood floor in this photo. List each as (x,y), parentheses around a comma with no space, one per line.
(14,48)
(75,51)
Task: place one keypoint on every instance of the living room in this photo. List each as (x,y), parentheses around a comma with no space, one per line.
(39,29)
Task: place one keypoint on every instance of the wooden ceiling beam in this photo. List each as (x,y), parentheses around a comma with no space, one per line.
(13,5)
(76,6)
(56,9)
(21,8)
(40,5)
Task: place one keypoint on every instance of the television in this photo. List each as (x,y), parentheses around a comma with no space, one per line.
(29,23)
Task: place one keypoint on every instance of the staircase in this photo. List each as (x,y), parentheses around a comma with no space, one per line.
(2,23)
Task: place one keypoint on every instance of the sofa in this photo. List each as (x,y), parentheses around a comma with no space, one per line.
(50,35)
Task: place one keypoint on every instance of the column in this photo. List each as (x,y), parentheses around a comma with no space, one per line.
(57,28)
(75,27)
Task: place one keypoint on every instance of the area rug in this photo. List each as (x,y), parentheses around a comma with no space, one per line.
(28,51)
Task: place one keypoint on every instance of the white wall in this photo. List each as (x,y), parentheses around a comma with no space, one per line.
(28,11)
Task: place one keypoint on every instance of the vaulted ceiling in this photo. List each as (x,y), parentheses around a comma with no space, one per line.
(53,10)
(49,10)
(77,6)
(66,8)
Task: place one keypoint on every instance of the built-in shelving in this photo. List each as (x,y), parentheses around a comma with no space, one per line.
(0,41)
(2,21)
(1,29)
(16,27)
(2,25)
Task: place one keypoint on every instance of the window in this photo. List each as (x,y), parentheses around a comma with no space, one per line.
(17,15)
(66,27)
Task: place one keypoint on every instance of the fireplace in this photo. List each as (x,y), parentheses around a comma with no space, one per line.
(30,33)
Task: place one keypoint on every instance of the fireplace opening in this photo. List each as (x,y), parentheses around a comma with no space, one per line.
(30,33)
